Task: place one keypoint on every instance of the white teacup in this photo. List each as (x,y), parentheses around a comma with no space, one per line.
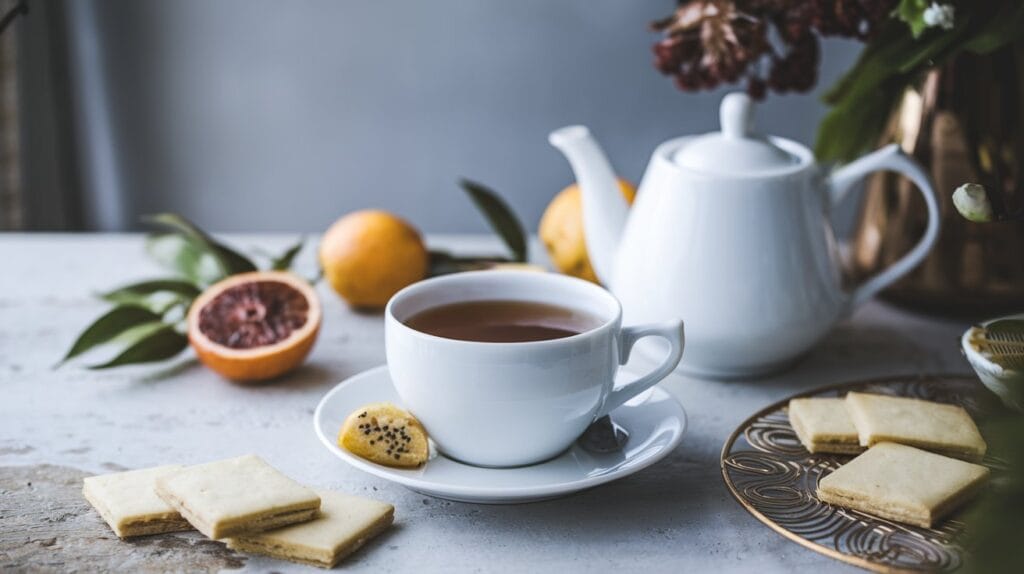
(513,404)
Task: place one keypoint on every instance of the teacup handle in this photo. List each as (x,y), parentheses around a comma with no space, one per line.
(671,331)
(892,158)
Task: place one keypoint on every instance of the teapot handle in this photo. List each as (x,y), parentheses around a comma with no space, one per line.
(889,158)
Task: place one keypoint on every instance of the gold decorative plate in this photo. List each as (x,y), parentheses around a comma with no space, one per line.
(775,479)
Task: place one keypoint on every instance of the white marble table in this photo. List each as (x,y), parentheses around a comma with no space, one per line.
(58,425)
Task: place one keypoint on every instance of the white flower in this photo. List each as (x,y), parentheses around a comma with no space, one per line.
(939,15)
(972,202)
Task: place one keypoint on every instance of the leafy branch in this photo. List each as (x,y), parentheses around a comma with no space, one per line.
(503,222)
(147,319)
(863,99)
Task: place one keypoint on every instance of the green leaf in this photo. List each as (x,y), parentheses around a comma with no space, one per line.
(158,295)
(284,261)
(876,62)
(159,344)
(231,261)
(499,216)
(177,253)
(936,48)
(1003,27)
(863,99)
(159,303)
(912,13)
(135,333)
(444,263)
(852,128)
(109,326)
(177,286)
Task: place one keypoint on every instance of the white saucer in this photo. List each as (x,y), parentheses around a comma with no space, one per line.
(655,423)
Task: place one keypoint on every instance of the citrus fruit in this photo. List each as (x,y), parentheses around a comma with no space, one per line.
(254,326)
(561,231)
(368,256)
(385,434)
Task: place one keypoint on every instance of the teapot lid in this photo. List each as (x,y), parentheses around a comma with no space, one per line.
(737,149)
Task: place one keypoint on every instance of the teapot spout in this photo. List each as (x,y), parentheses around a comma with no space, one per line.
(604,208)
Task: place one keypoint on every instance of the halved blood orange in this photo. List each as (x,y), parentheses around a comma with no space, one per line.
(255,326)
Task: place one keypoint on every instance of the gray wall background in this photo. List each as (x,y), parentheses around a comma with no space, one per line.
(263,115)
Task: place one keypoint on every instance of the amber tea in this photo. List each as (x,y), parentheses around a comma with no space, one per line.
(501,321)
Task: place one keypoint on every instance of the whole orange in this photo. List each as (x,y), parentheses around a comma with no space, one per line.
(367,256)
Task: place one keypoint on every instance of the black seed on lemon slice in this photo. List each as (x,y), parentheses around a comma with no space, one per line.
(386,435)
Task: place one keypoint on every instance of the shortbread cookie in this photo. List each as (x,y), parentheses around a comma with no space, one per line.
(938,427)
(385,434)
(902,483)
(237,495)
(127,503)
(345,523)
(823,425)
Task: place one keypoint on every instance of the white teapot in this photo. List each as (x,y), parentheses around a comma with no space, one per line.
(731,232)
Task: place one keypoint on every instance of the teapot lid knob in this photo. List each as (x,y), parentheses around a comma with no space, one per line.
(736,115)
(737,149)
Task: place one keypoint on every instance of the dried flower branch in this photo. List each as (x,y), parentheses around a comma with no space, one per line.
(772,44)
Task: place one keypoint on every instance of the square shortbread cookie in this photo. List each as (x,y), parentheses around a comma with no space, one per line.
(941,428)
(824,425)
(237,495)
(127,503)
(902,483)
(345,523)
